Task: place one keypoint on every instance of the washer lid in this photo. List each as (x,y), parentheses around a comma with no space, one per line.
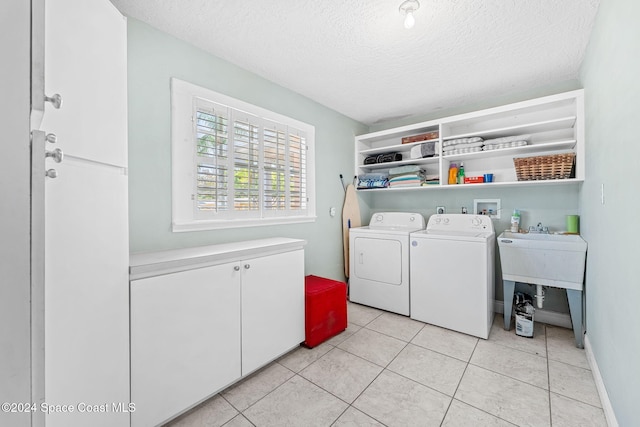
(479,236)
(460,223)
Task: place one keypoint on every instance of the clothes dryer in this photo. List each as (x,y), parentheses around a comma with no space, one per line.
(379,261)
(452,273)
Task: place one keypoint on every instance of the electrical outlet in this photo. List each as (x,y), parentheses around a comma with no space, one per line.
(440,210)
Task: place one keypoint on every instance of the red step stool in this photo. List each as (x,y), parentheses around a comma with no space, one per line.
(325,303)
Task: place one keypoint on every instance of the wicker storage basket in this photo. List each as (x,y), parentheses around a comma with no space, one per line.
(556,166)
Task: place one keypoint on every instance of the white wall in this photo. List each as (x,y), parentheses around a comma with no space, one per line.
(14,209)
(611,77)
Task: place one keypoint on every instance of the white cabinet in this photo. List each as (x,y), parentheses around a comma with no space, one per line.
(272,307)
(202,318)
(554,124)
(185,340)
(84,346)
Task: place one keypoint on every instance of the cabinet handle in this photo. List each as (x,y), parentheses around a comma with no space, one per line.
(55,100)
(57,155)
(236,268)
(247,266)
(51,138)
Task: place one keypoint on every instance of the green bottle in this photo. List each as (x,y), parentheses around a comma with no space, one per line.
(461,174)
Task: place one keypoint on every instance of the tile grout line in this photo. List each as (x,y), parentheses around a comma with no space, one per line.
(546,349)
(458,385)
(384,368)
(270,392)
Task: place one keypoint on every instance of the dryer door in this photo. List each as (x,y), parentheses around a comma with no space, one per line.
(378,260)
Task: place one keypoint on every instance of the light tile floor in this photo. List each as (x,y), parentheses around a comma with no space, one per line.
(389,370)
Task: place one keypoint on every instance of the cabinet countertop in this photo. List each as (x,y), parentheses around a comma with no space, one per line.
(149,264)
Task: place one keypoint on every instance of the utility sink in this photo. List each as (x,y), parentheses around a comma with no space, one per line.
(543,259)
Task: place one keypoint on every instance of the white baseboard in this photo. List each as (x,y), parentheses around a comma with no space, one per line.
(543,316)
(602,391)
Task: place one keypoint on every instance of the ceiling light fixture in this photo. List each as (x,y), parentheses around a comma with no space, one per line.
(407,8)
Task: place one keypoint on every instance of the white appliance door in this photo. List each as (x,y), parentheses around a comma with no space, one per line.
(378,260)
(449,284)
(79,219)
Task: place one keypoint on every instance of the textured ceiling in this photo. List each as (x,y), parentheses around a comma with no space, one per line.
(356,57)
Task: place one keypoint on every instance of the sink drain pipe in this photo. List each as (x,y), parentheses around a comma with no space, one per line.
(539,296)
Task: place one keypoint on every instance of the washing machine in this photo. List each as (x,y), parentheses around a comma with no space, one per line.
(452,273)
(379,261)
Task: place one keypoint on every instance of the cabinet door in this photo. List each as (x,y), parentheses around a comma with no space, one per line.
(86,63)
(185,340)
(272,307)
(86,293)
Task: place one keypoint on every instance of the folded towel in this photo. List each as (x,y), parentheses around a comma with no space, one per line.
(471,140)
(372,184)
(420,174)
(404,169)
(383,158)
(372,180)
(389,157)
(414,183)
(406,178)
(459,146)
(505,139)
(371,160)
(504,145)
(463,151)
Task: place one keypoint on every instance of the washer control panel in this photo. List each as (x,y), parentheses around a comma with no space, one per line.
(460,222)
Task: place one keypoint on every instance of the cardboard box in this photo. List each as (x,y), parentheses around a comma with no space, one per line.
(422,137)
(473,179)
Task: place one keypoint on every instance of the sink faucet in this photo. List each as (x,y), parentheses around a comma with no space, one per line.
(538,229)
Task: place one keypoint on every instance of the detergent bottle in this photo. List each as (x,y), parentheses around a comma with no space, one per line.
(453,173)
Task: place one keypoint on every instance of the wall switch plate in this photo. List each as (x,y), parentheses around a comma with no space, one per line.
(440,210)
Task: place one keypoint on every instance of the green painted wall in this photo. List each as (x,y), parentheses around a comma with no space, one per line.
(611,77)
(154,57)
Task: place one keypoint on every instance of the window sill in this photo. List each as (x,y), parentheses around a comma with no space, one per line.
(240,223)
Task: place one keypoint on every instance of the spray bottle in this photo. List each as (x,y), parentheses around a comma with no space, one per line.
(515,221)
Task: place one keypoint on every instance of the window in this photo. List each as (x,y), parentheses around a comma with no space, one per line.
(237,165)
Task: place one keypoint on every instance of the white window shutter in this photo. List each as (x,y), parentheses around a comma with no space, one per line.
(211,157)
(235,164)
